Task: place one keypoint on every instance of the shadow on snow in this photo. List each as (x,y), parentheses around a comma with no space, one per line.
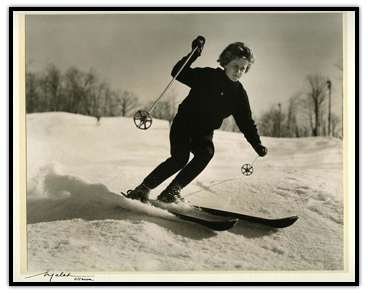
(62,197)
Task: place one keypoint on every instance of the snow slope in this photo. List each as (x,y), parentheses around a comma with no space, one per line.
(77,221)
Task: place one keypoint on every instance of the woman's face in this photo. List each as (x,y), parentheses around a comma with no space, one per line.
(236,68)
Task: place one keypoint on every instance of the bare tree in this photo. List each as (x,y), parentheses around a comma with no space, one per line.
(96,98)
(43,83)
(315,101)
(77,86)
(292,122)
(272,122)
(108,107)
(32,93)
(128,101)
(54,86)
(90,90)
(335,122)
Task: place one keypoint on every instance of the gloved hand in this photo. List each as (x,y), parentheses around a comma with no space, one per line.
(261,150)
(198,42)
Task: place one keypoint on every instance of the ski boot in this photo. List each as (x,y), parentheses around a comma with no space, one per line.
(171,194)
(141,193)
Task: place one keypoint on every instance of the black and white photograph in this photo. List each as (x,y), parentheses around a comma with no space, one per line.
(186,142)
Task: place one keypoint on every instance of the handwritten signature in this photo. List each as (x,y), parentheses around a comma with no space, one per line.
(51,276)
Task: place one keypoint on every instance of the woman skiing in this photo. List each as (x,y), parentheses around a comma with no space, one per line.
(215,95)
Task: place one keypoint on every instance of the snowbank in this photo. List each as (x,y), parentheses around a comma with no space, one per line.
(78,221)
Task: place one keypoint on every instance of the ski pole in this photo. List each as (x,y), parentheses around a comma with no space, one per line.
(255,160)
(247,169)
(143,119)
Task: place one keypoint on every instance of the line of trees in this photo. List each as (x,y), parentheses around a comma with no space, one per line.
(306,114)
(75,91)
(84,93)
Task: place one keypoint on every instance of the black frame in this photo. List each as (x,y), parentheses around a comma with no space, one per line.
(11,167)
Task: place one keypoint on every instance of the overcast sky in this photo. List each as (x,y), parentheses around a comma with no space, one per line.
(136,52)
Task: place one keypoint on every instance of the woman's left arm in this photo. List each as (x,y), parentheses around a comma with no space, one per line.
(243,118)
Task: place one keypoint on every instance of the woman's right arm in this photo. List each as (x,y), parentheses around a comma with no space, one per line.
(187,74)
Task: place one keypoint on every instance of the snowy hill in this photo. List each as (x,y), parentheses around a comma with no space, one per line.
(77,221)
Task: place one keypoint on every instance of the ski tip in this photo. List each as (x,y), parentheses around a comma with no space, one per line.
(294,218)
(286,222)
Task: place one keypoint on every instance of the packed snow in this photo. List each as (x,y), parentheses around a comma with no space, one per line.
(78,221)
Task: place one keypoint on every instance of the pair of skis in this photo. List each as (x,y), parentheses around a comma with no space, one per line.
(224,220)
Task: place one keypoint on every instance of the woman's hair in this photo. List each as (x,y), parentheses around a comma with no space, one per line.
(234,51)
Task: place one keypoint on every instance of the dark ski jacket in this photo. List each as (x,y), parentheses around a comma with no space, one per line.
(212,98)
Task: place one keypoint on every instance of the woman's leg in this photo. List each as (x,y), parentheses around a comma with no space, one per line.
(203,149)
(180,151)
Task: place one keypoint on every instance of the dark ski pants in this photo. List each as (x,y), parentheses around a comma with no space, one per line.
(184,139)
